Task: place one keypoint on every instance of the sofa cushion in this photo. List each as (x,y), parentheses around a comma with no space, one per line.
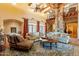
(64,39)
(20,38)
(25,44)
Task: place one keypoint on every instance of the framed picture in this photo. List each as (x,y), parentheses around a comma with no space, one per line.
(13,29)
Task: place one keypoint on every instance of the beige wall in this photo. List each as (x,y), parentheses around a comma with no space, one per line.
(78,23)
(10,23)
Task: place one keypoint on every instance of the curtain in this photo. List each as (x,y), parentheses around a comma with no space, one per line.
(38,26)
(46,29)
(25,29)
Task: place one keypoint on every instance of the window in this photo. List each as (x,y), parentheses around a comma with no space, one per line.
(42,29)
(32,28)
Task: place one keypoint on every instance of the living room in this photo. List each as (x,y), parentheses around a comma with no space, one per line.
(45,29)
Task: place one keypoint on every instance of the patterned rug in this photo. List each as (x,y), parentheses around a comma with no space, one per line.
(38,50)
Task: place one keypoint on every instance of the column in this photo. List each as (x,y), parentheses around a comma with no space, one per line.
(59,23)
(38,26)
(61,20)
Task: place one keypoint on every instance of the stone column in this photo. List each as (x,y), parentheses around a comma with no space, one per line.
(61,20)
(59,23)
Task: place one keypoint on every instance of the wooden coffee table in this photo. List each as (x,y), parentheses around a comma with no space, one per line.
(50,41)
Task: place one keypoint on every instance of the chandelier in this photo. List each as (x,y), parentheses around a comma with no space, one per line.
(37,7)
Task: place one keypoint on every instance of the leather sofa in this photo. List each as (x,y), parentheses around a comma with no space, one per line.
(19,43)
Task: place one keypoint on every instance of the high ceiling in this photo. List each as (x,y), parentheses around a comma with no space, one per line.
(30,10)
(10,9)
(43,7)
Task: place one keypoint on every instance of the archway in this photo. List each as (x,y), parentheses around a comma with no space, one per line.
(12,26)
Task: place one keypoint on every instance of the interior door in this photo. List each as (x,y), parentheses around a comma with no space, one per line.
(72,29)
(75,30)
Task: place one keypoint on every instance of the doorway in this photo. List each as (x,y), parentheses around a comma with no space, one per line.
(71,29)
